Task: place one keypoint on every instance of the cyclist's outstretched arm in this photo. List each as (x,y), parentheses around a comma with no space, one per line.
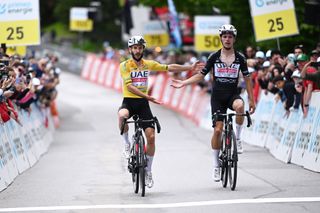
(194,79)
(136,91)
(196,66)
(252,106)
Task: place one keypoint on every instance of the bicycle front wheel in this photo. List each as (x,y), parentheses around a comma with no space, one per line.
(223,161)
(142,165)
(233,162)
(135,170)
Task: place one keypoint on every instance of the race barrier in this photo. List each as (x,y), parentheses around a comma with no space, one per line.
(291,139)
(22,146)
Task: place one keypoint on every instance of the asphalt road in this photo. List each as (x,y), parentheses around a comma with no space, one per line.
(84,170)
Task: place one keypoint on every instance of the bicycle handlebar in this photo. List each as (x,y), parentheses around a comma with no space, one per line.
(247,114)
(136,119)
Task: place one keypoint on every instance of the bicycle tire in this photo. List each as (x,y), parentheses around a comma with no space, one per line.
(224,162)
(135,171)
(142,166)
(233,162)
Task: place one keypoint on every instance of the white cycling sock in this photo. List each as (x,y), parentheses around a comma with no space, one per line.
(215,155)
(149,163)
(125,136)
(238,131)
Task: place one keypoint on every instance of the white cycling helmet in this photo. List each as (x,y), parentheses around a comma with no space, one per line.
(228,28)
(137,40)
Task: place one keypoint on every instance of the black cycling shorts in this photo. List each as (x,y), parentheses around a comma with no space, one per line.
(140,107)
(221,101)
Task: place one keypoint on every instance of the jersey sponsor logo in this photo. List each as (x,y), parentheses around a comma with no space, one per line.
(139,78)
(140,74)
(226,80)
(223,71)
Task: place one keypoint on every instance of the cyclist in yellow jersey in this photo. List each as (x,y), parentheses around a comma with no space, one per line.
(134,73)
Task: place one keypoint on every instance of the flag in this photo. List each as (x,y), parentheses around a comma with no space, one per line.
(174,25)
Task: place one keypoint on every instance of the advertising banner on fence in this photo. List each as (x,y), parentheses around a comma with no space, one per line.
(302,142)
(311,159)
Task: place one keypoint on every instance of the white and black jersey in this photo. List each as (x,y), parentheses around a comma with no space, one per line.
(225,77)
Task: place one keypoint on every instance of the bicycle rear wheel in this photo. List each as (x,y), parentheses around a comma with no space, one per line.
(223,161)
(142,165)
(233,162)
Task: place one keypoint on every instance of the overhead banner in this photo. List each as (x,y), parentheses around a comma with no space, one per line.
(207,37)
(79,20)
(156,34)
(273,19)
(19,22)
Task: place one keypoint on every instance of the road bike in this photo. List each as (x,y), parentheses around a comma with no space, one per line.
(137,161)
(228,157)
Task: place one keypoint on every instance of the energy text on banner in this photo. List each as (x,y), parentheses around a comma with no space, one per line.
(19,22)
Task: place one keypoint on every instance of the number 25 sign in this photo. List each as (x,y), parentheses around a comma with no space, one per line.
(273,19)
(19,22)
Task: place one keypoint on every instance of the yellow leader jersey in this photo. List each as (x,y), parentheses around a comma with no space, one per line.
(138,76)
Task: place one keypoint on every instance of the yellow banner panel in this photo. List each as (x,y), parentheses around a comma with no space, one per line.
(157,40)
(20,50)
(20,32)
(81,25)
(275,25)
(207,43)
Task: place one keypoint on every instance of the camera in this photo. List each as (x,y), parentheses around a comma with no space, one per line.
(315,64)
(4,62)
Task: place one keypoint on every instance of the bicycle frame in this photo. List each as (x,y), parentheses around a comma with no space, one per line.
(138,161)
(229,156)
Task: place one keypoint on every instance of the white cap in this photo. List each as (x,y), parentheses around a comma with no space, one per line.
(296,74)
(251,69)
(266,64)
(291,56)
(193,59)
(260,54)
(57,70)
(35,81)
(268,53)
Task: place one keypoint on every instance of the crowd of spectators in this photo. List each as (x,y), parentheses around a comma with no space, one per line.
(292,77)
(24,81)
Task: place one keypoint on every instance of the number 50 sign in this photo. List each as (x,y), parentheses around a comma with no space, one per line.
(207,37)
(19,22)
(272,19)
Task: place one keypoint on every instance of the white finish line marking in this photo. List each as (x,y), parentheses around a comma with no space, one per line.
(165,205)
